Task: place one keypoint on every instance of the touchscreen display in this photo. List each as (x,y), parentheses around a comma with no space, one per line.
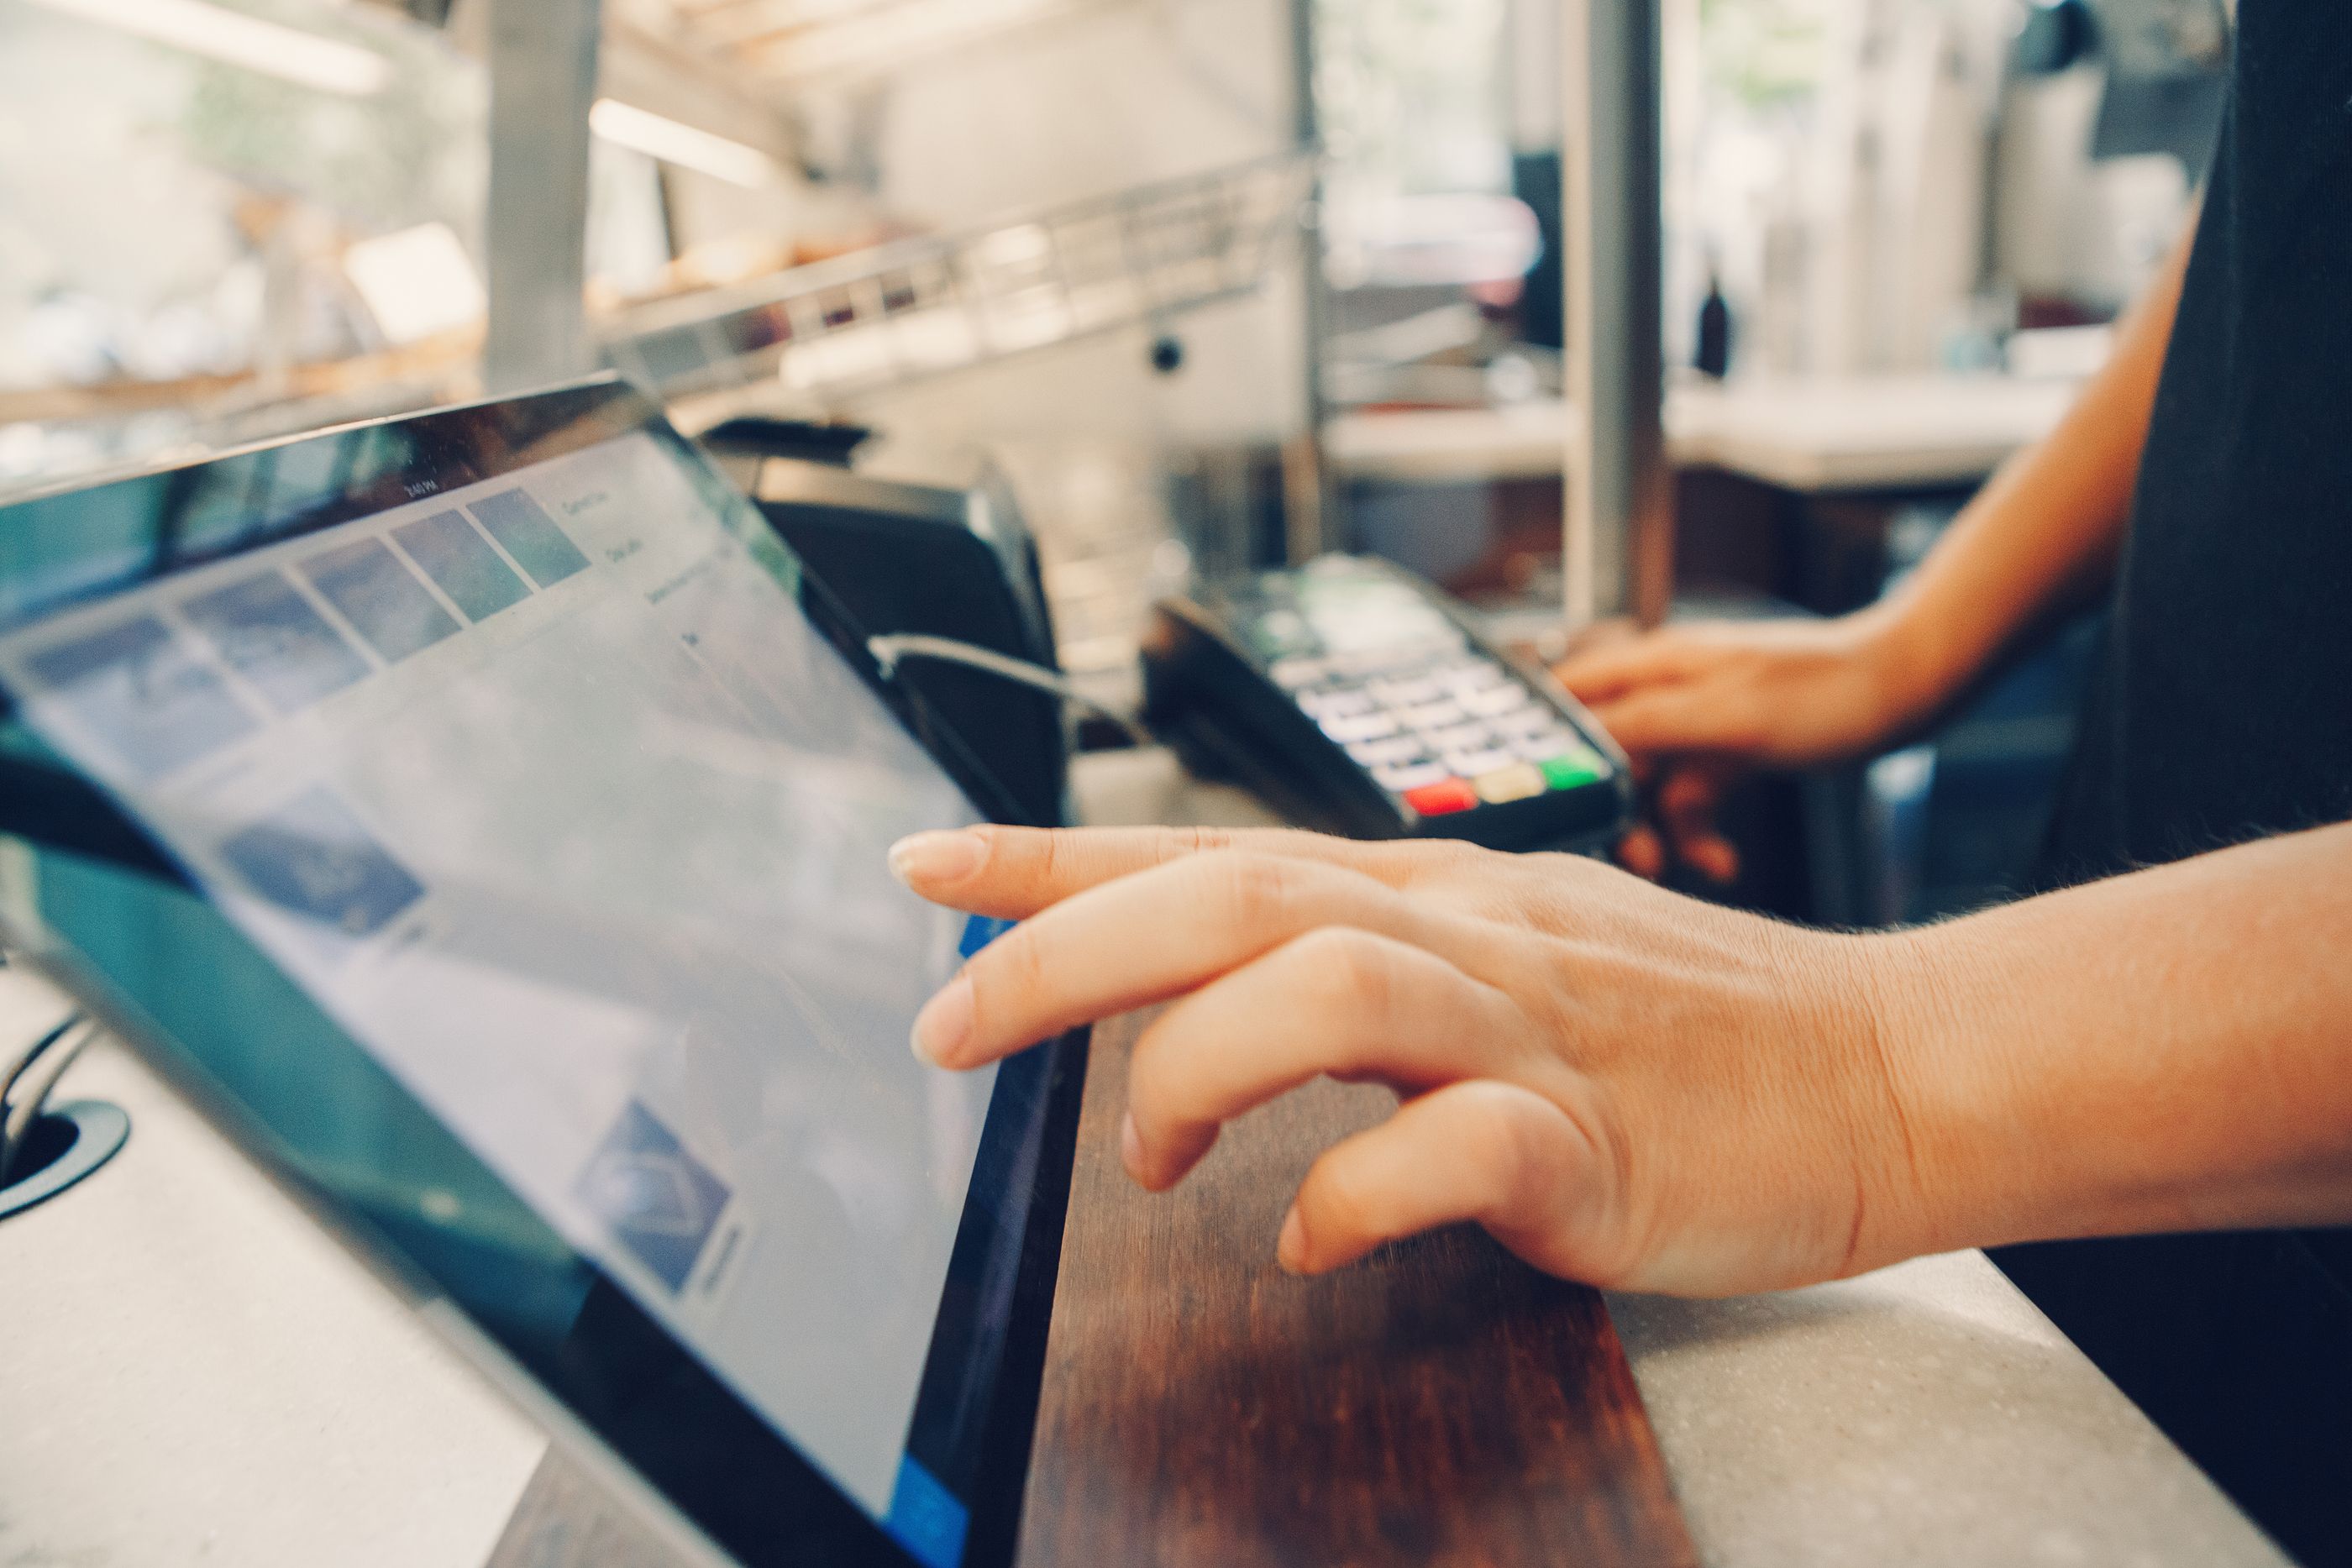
(547,792)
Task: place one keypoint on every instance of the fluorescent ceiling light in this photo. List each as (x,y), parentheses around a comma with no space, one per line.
(234,39)
(624,125)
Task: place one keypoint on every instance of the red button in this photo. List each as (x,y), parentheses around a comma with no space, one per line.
(1437,800)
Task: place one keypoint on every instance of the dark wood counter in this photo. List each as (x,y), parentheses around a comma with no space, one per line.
(1438,1403)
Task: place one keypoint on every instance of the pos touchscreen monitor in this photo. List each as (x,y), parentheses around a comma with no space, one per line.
(483,816)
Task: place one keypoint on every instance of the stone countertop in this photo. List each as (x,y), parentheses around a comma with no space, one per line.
(191,1372)
(1925,1414)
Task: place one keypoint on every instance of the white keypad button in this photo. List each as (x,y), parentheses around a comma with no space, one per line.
(1462,737)
(1341,703)
(1533,719)
(1406,693)
(1476,675)
(1432,716)
(1413,776)
(1495,701)
(1361,726)
(1470,764)
(1290,675)
(1395,753)
(1546,744)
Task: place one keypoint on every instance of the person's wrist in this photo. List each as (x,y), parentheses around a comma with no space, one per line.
(1972,1173)
(1915,669)
(1924,1171)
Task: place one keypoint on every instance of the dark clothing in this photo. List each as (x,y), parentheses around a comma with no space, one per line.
(2222,711)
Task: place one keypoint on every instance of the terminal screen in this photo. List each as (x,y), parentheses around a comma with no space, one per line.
(548,793)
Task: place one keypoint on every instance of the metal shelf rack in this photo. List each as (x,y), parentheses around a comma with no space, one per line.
(920,307)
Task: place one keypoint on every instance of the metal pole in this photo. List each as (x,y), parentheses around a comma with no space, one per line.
(1617,538)
(542,82)
(1307,507)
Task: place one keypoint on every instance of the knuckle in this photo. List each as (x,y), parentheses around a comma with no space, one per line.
(1459,857)
(1007,973)
(1051,850)
(1177,843)
(1497,1120)
(1348,970)
(1557,866)
(1253,891)
(1342,1200)
(1439,865)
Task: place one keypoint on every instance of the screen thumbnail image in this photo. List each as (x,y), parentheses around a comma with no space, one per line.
(142,693)
(461,563)
(527,533)
(312,858)
(381,598)
(268,634)
(655,1196)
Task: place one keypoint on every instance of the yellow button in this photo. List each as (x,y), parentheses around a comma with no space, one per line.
(1517,782)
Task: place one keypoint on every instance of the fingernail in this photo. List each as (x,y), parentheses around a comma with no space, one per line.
(936,857)
(1130,1147)
(1290,1250)
(944,1026)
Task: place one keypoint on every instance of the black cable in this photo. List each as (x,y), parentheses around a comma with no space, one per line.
(37,1069)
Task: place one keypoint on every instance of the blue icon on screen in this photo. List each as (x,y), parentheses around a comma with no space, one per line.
(926,1518)
(979,932)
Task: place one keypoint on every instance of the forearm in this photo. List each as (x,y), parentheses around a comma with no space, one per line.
(2044,534)
(2168,1050)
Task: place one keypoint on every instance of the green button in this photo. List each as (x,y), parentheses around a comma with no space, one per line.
(1570,771)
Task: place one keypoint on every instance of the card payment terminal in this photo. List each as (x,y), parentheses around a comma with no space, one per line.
(1360,700)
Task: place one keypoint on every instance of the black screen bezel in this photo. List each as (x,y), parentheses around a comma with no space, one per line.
(699,1446)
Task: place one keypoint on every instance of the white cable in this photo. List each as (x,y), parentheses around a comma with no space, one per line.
(888,651)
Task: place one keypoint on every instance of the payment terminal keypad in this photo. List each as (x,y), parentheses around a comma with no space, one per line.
(1443,730)
(1370,662)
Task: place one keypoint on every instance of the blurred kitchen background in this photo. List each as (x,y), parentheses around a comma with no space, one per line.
(1212,282)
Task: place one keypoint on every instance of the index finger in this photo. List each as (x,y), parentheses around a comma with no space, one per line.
(1618,668)
(1011,874)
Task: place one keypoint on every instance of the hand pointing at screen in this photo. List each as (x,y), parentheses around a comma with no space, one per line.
(1637,1090)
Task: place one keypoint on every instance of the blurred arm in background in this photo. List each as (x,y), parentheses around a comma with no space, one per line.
(1697,704)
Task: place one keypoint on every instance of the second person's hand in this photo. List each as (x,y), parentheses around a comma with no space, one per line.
(1695,706)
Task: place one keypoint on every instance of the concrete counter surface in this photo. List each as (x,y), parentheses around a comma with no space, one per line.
(1925,1414)
(193,1373)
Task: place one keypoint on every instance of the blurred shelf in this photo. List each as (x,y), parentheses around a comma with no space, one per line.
(920,308)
